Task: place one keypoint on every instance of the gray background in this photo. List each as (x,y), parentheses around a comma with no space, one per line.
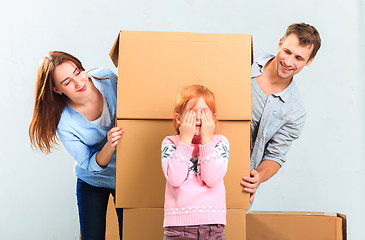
(324,169)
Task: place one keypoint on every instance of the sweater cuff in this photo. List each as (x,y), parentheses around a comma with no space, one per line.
(183,151)
(207,151)
(94,166)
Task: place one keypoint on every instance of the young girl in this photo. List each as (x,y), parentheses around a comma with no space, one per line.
(194,163)
(81,109)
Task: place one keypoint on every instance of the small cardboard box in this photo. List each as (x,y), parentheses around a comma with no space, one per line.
(147,224)
(295,226)
(139,178)
(154,66)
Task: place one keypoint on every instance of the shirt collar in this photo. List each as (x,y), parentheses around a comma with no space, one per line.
(284,95)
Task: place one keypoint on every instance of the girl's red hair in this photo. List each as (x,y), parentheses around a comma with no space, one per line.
(193,92)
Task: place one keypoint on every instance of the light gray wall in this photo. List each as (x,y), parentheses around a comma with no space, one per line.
(324,169)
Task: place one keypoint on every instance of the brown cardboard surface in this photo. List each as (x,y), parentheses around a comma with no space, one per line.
(112,229)
(295,225)
(147,224)
(143,224)
(236,224)
(154,66)
(140,182)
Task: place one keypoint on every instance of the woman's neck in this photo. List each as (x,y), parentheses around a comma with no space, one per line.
(91,106)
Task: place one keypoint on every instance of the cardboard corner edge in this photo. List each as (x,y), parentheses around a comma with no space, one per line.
(252,55)
(344,225)
(114,52)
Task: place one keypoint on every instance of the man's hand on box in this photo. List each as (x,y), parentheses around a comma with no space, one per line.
(250,184)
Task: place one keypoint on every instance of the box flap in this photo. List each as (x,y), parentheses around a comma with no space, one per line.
(114,52)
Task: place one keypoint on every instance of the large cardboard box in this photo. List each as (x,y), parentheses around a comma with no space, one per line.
(140,180)
(147,224)
(295,226)
(154,66)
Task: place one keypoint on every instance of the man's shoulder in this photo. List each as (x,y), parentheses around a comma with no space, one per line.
(260,59)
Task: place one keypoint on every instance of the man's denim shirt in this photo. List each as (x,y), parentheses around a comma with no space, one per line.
(277,119)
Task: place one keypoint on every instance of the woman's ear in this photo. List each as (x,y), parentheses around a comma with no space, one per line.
(57,91)
(178,118)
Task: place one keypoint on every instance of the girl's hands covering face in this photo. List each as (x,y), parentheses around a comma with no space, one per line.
(187,127)
(207,126)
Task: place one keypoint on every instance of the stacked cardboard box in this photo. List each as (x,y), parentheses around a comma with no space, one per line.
(152,68)
(296,226)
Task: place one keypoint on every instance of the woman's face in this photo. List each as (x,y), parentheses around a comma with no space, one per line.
(71,81)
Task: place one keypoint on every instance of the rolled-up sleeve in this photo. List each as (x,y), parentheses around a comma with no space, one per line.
(83,154)
(278,146)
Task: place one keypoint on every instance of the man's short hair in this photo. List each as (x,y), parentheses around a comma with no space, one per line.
(307,35)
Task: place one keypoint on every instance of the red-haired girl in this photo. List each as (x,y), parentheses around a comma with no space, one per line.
(194,163)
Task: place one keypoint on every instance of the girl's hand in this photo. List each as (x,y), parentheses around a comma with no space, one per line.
(187,127)
(114,135)
(207,126)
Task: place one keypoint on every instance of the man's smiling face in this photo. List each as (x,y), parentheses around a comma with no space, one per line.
(292,57)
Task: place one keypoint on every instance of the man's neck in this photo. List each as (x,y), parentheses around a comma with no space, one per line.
(269,82)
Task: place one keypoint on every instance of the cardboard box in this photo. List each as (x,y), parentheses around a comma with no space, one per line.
(154,66)
(139,178)
(143,224)
(147,224)
(112,226)
(295,226)
(236,224)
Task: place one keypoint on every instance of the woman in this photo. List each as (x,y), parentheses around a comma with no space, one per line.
(80,109)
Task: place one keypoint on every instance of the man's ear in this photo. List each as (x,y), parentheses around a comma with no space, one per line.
(178,118)
(309,62)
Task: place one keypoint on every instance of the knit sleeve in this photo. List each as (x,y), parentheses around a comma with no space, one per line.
(175,161)
(214,160)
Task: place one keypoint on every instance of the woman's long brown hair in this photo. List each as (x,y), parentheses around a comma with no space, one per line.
(48,105)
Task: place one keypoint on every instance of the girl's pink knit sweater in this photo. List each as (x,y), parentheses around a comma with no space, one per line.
(195,192)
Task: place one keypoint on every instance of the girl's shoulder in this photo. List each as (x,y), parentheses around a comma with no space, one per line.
(171,140)
(220,138)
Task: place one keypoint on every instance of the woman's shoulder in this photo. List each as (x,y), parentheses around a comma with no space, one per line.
(103,73)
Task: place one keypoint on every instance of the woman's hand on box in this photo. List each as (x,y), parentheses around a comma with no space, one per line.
(114,135)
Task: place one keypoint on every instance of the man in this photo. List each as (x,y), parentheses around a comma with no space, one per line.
(278,113)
